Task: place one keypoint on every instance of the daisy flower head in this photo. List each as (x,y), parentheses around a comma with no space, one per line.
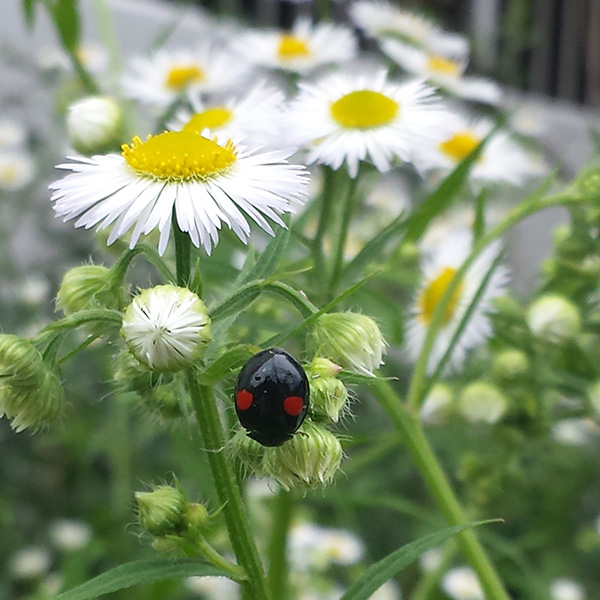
(160,78)
(381,19)
(204,182)
(502,160)
(302,49)
(255,117)
(350,119)
(443,71)
(438,271)
(17,169)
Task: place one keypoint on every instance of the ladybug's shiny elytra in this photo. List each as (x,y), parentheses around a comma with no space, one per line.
(271,396)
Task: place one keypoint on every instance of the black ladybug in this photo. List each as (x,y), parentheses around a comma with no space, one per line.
(271,396)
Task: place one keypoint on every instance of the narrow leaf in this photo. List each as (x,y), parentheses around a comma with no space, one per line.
(140,572)
(377,574)
(232,359)
(239,300)
(66,19)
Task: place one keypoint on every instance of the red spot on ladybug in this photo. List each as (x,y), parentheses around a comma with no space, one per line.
(293,405)
(243,400)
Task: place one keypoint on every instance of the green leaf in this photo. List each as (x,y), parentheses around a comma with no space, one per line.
(29,11)
(140,572)
(377,574)
(231,359)
(239,300)
(357,378)
(66,19)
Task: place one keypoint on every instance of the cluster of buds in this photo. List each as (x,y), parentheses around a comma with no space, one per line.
(166,514)
(31,395)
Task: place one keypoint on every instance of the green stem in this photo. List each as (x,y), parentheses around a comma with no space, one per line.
(525,209)
(422,454)
(91,87)
(326,205)
(227,489)
(339,241)
(212,556)
(119,269)
(119,452)
(278,564)
(183,246)
(107,32)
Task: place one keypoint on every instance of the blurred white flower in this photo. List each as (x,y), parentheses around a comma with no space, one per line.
(390,590)
(567,589)
(29,563)
(213,588)
(439,268)
(461,583)
(12,134)
(437,404)
(431,559)
(502,160)
(482,402)
(34,290)
(300,50)
(16,169)
(70,535)
(51,585)
(574,431)
(381,19)
(441,71)
(159,79)
(255,116)
(554,318)
(93,58)
(349,119)
(313,546)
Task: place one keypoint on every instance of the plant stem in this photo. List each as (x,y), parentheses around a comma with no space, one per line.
(422,454)
(278,565)
(227,489)
(183,246)
(326,203)
(204,548)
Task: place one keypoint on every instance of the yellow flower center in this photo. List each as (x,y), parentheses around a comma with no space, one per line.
(178,156)
(9,174)
(291,47)
(211,118)
(460,145)
(364,109)
(443,66)
(181,76)
(431,295)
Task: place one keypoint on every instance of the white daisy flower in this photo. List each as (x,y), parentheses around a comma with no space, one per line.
(206,182)
(381,19)
(438,270)
(300,50)
(166,327)
(70,535)
(349,119)
(30,563)
(12,134)
(213,588)
(255,117)
(462,583)
(502,160)
(159,79)
(16,169)
(441,71)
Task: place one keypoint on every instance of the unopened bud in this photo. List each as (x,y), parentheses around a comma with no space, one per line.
(95,125)
(348,339)
(328,394)
(310,459)
(196,517)
(31,395)
(482,402)
(88,286)
(553,318)
(249,452)
(162,511)
(510,365)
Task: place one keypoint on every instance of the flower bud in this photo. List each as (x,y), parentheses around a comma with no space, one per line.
(554,319)
(162,511)
(30,393)
(95,125)
(510,364)
(328,394)
(249,452)
(88,286)
(482,402)
(166,327)
(196,516)
(437,404)
(166,400)
(311,458)
(348,339)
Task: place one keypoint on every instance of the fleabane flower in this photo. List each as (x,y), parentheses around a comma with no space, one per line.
(445,72)
(302,49)
(205,182)
(462,583)
(160,78)
(502,160)
(349,119)
(381,19)
(255,117)
(16,169)
(166,328)
(437,272)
